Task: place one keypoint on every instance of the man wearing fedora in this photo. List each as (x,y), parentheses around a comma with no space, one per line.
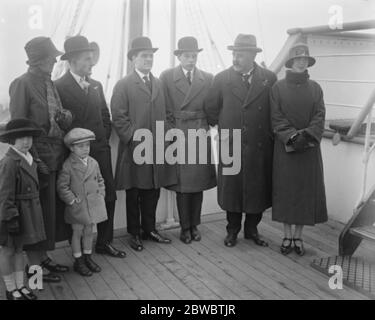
(239,99)
(138,103)
(84,97)
(34,96)
(186,88)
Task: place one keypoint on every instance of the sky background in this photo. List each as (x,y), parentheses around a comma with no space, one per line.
(215,23)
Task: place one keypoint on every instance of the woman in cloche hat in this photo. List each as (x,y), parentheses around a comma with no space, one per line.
(298,115)
(21,218)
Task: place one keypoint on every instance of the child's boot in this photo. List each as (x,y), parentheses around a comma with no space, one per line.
(91,264)
(81,268)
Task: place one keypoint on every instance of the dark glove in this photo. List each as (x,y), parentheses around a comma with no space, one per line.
(300,143)
(64,119)
(42,167)
(13,226)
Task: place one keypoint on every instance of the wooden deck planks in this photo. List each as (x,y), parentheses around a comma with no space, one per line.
(207,269)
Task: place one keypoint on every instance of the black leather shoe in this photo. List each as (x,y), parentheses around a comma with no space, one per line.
(81,268)
(53,267)
(286,246)
(298,246)
(91,264)
(109,250)
(27,294)
(230,240)
(47,277)
(156,236)
(195,234)
(136,243)
(185,236)
(257,240)
(10,295)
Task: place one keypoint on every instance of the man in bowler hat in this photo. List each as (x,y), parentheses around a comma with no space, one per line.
(84,97)
(186,88)
(138,103)
(239,99)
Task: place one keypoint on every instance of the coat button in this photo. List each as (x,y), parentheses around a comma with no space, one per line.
(259,108)
(260,126)
(28,189)
(260,144)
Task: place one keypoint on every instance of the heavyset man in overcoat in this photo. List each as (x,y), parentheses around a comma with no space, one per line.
(239,99)
(186,88)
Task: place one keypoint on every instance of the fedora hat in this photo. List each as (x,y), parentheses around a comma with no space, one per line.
(40,48)
(78,135)
(187,44)
(299,50)
(74,45)
(18,128)
(245,42)
(140,44)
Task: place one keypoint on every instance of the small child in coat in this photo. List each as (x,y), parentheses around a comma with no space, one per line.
(21,217)
(81,186)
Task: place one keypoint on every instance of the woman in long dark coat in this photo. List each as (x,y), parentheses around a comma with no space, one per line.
(34,96)
(298,114)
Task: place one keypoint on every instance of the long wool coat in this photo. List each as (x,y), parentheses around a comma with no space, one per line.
(298,182)
(28,99)
(90,111)
(134,107)
(86,183)
(19,197)
(232,106)
(186,103)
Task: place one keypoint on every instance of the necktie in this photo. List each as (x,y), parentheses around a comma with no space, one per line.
(245,79)
(188,76)
(84,85)
(147,83)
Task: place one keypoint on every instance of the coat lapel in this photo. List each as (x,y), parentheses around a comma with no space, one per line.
(155,87)
(74,88)
(237,86)
(257,85)
(90,168)
(30,170)
(180,81)
(140,83)
(196,87)
(77,164)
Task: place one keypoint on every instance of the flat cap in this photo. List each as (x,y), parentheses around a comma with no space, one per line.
(78,135)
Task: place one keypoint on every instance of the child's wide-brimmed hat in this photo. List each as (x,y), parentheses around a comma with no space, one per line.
(78,135)
(297,51)
(19,128)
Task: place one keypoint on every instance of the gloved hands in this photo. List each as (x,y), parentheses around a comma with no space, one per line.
(42,167)
(64,119)
(13,226)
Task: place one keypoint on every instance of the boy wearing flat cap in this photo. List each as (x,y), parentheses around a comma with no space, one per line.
(81,186)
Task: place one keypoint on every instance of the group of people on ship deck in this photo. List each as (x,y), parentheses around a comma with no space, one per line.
(57,181)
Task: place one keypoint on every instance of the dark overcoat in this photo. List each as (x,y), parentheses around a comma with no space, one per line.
(186,104)
(19,197)
(134,107)
(232,106)
(90,111)
(28,99)
(85,183)
(298,180)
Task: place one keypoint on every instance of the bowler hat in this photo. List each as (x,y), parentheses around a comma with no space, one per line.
(299,50)
(74,45)
(78,135)
(187,44)
(140,44)
(245,42)
(18,128)
(40,48)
